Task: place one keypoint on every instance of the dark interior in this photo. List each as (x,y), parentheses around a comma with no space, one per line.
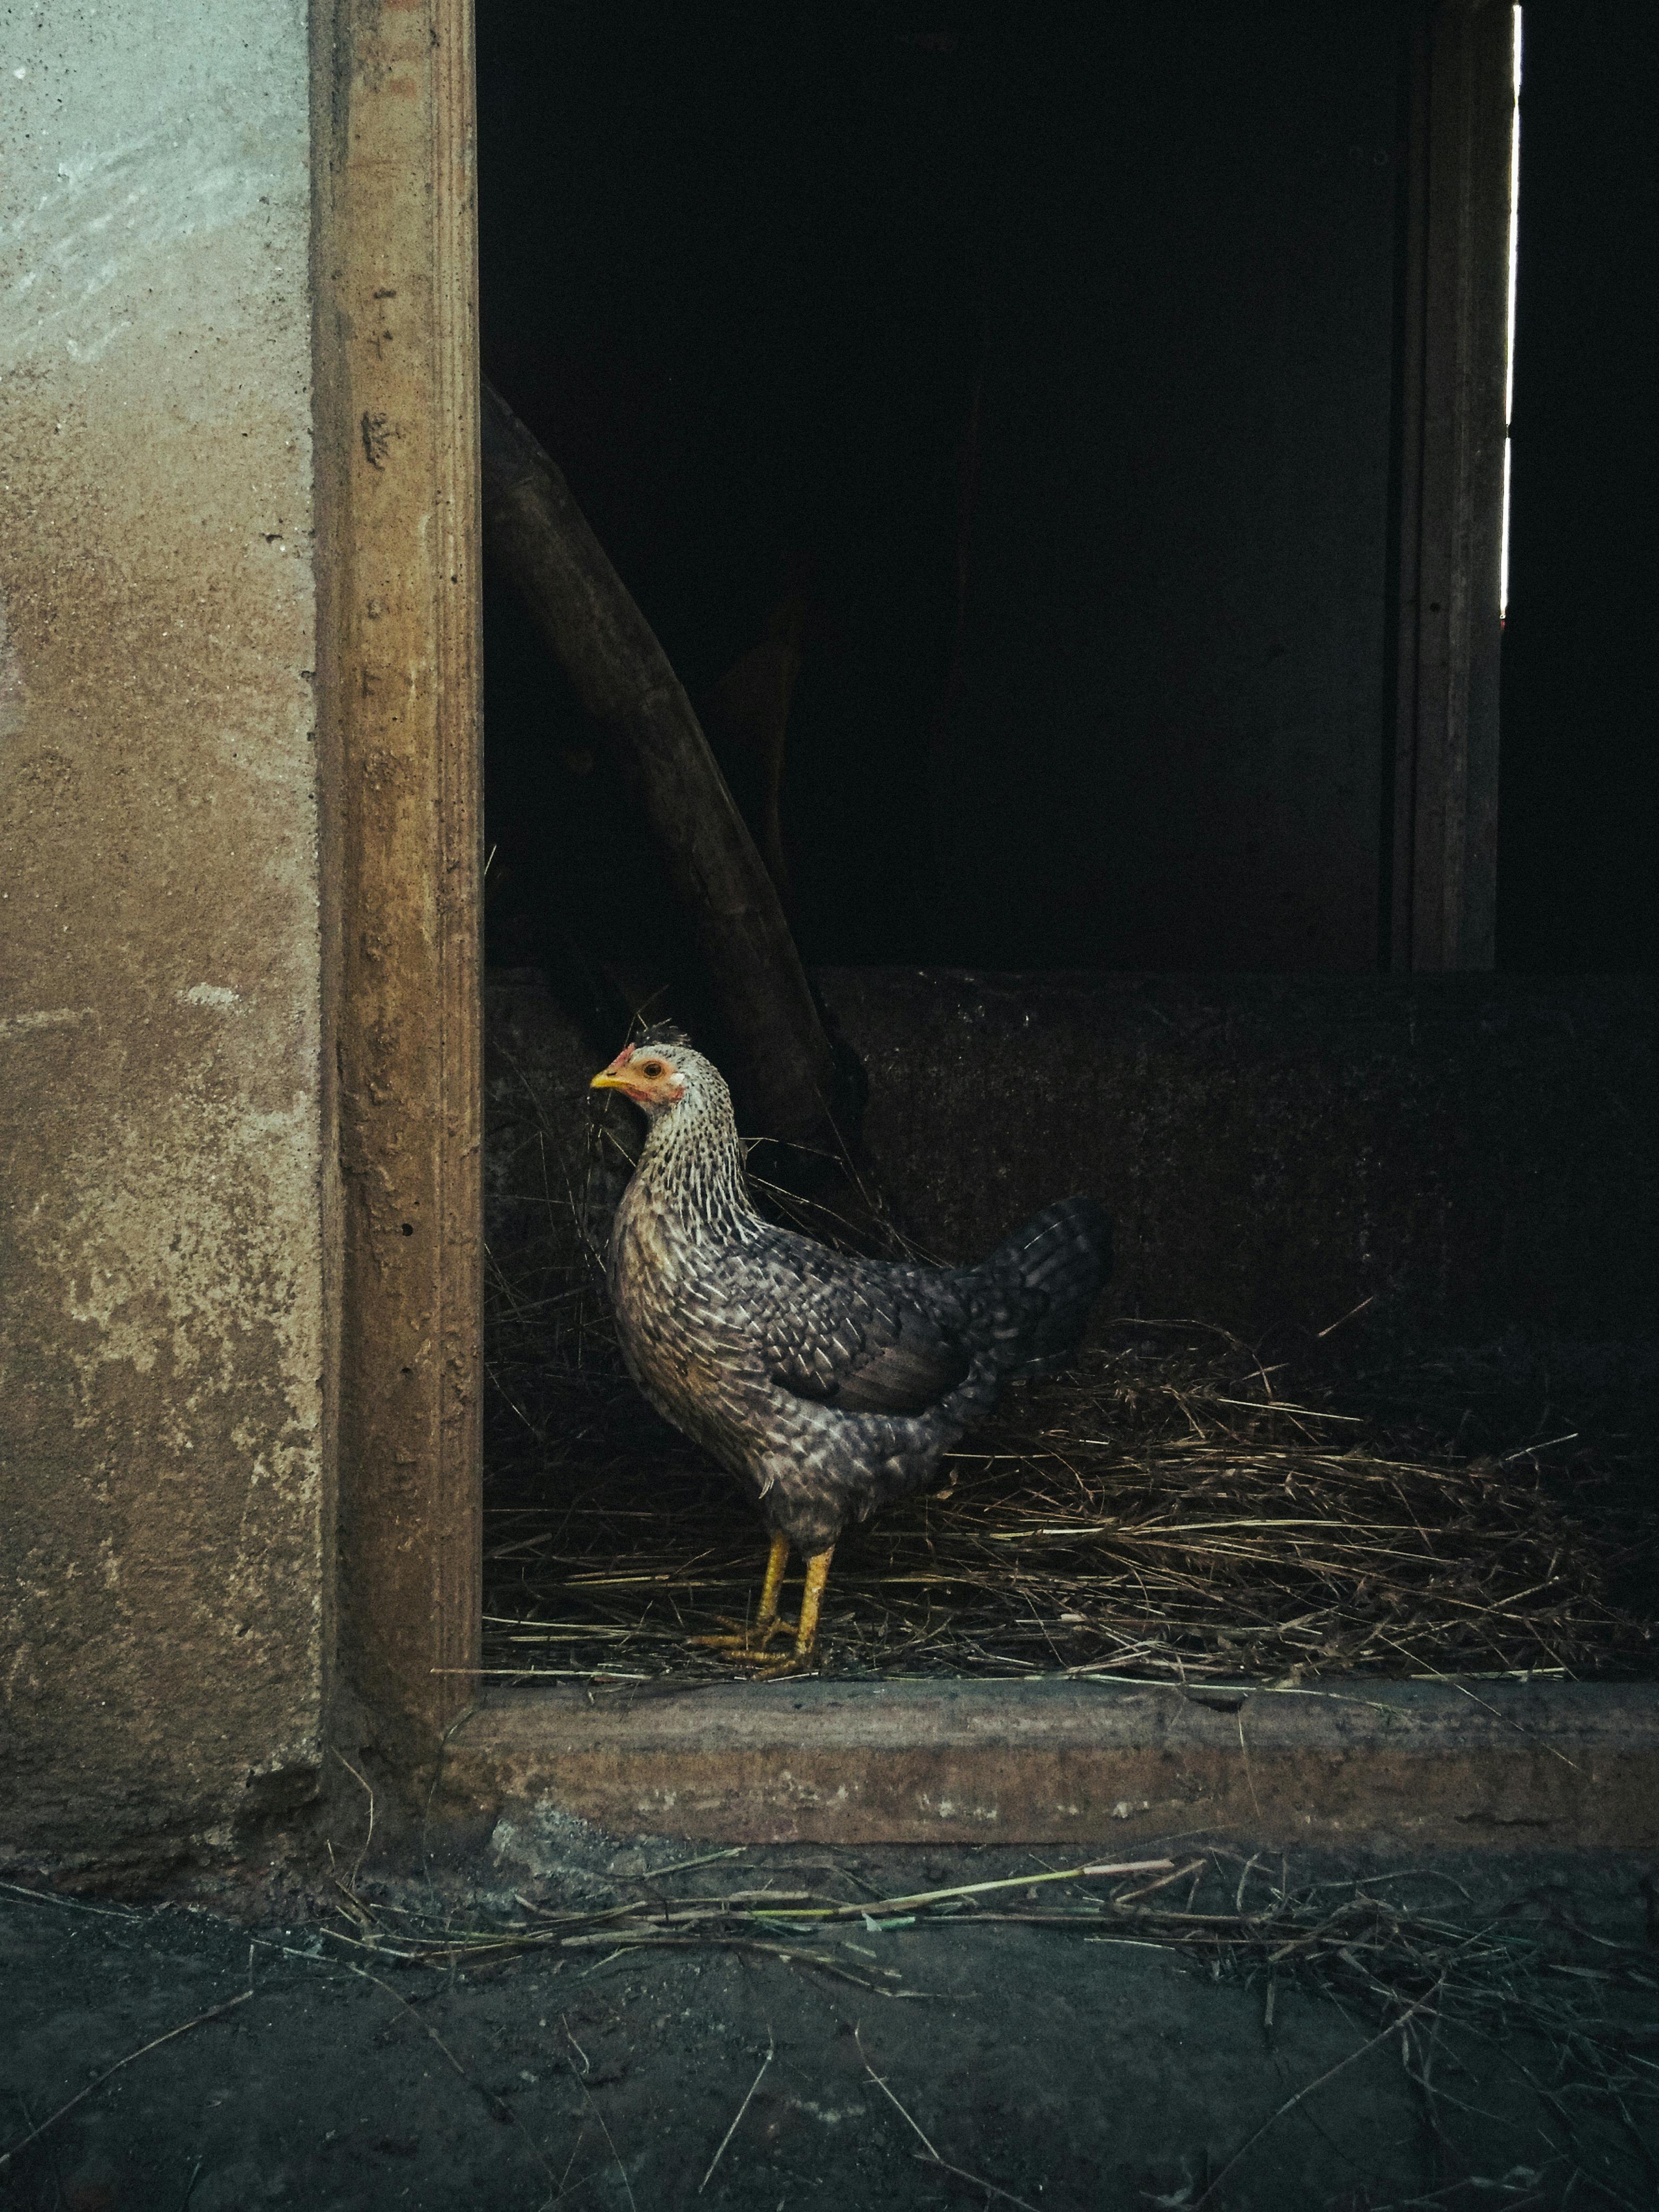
(995,411)
(1017,384)
(1576,819)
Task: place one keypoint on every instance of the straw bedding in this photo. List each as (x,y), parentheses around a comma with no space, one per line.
(1174,1509)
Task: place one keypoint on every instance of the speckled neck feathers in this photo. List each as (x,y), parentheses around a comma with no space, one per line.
(691,1167)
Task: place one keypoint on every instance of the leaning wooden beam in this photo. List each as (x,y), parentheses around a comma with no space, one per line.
(771,1040)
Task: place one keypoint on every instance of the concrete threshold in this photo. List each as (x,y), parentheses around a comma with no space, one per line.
(1561,1764)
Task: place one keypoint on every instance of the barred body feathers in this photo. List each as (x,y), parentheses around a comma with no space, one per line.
(827,1385)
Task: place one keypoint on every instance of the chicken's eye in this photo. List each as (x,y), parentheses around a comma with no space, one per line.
(650,1070)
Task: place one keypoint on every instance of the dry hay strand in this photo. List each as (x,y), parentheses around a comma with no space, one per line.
(1167,1511)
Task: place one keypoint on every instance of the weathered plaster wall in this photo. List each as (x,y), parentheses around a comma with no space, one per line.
(163,1591)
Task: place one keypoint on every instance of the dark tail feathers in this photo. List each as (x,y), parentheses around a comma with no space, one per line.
(1065,1252)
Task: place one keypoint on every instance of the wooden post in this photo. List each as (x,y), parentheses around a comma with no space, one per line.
(397,666)
(770,1040)
(1444,855)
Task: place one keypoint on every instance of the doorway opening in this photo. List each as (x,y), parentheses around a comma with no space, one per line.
(1023,436)
(994,421)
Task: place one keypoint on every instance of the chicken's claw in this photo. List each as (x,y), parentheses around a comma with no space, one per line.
(753,1640)
(747,1645)
(743,1651)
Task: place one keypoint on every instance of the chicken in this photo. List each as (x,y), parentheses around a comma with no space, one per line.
(827,1385)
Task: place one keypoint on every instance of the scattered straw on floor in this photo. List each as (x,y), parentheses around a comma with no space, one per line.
(1407,1953)
(1172,1510)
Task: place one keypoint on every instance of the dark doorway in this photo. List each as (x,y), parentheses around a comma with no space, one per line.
(1580,702)
(1009,390)
(1007,418)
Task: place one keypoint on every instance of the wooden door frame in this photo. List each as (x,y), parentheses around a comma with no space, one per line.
(1441,834)
(396,361)
(397,391)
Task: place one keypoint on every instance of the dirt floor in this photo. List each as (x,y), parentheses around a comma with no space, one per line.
(1083,2064)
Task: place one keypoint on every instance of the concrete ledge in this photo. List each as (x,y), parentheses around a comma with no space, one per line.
(1560,1765)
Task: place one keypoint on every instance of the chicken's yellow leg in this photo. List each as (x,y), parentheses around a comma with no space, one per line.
(806,1629)
(766,1624)
(817,1574)
(772,1589)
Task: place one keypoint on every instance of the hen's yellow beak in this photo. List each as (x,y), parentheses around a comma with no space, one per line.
(615,1077)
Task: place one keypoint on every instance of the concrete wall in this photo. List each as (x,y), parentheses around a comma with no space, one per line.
(163,1566)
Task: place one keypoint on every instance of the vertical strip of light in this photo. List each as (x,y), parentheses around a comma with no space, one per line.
(1509,342)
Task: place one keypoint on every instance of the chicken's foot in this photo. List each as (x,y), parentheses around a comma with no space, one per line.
(754,1637)
(752,1644)
(807,1628)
